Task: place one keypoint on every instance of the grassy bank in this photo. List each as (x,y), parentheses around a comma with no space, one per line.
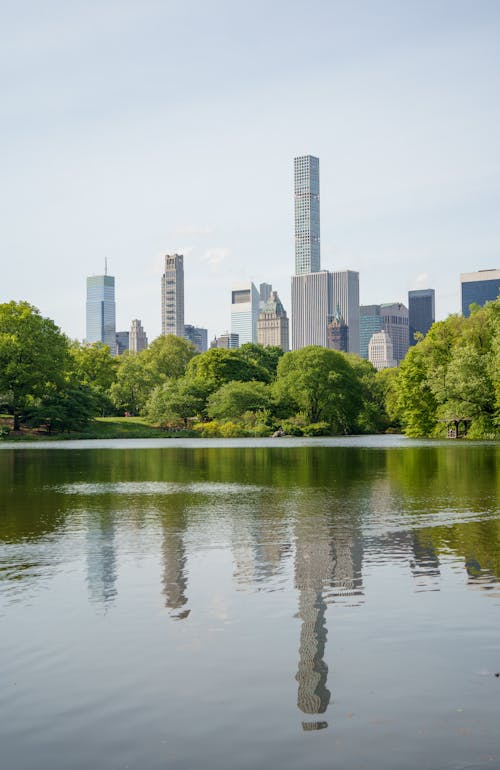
(102,427)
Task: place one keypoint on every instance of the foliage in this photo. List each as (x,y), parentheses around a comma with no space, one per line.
(452,374)
(134,383)
(70,408)
(168,356)
(218,366)
(176,400)
(323,385)
(33,356)
(266,358)
(233,399)
(95,367)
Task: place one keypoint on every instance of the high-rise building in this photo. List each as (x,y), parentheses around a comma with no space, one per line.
(306,187)
(370,323)
(198,336)
(122,342)
(421,312)
(380,351)
(315,297)
(345,298)
(227,341)
(138,340)
(272,325)
(245,312)
(101,314)
(338,333)
(265,290)
(479,288)
(172,296)
(394,317)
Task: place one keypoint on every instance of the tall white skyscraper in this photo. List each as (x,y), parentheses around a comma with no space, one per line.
(245,312)
(306,187)
(172,296)
(101,322)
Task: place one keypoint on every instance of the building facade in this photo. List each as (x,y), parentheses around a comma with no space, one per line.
(380,351)
(307,223)
(338,333)
(315,298)
(272,325)
(100,311)
(226,341)
(122,342)
(245,301)
(198,336)
(394,317)
(138,340)
(172,296)
(421,312)
(479,288)
(370,323)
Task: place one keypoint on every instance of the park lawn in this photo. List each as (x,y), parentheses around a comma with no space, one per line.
(102,427)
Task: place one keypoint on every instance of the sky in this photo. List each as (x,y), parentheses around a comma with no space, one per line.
(138,128)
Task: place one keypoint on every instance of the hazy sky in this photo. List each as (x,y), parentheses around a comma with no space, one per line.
(133,129)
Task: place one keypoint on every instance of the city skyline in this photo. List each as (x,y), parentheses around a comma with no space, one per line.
(399,101)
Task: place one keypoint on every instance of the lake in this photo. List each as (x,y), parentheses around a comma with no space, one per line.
(241,604)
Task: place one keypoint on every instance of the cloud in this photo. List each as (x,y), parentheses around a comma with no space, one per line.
(193,230)
(214,257)
(422,281)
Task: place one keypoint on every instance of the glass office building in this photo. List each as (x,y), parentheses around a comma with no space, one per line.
(172,296)
(101,316)
(245,301)
(370,323)
(306,187)
(421,312)
(479,288)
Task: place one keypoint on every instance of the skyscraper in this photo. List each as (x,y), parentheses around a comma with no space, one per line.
(122,342)
(245,312)
(421,312)
(100,310)
(394,317)
(172,296)
(315,297)
(370,323)
(337,333)
(479,288)
(306,186)
(380,351)
(138,340)
(198,336)
(272,326)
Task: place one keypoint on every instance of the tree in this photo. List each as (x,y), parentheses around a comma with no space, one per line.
(323,386)
(95,367)
(266,358)
(218,366)
(233,399)
(135,380)
(168,356)
(176,400)
(34,356)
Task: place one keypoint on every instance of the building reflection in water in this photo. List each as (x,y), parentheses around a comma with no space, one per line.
(174,579)
(328,562)
(101,559)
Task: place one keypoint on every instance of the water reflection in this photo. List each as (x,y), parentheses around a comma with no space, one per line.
(173,524)
(101,559)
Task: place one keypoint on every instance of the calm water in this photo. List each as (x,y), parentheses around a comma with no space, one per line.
(250,604)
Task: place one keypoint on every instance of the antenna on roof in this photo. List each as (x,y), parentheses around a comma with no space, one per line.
(105,265)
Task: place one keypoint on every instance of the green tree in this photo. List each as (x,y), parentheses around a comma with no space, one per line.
(233,399)
(266,358)
(135,380)
(168,356)
(416,403)
(176,400)
(33,356)
(323,386)
(218,366)
(95,367)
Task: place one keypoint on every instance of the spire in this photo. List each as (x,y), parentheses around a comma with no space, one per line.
(105,265)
